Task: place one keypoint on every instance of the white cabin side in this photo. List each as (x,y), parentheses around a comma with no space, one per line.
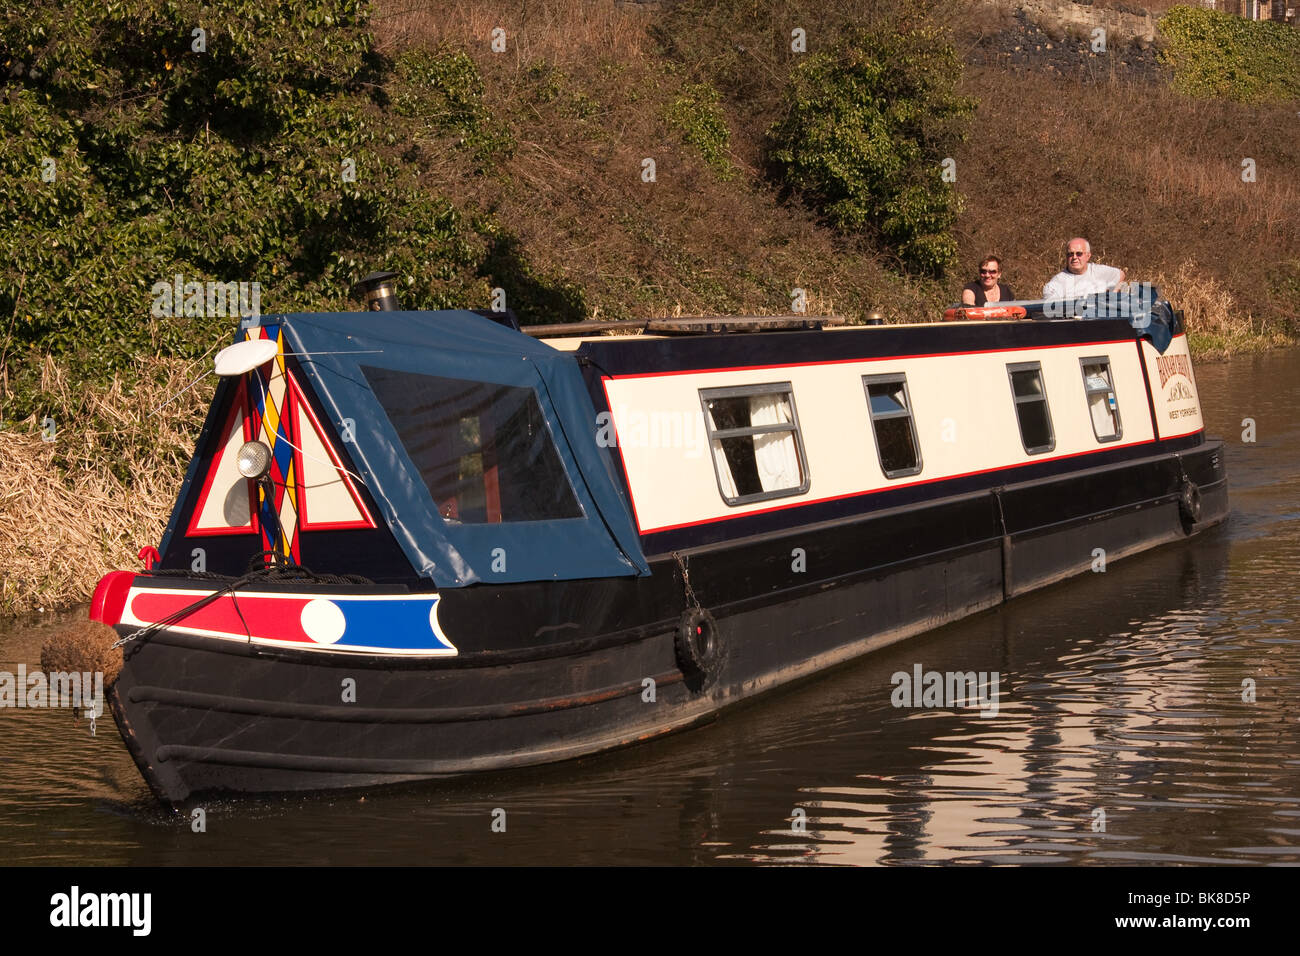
(961,407)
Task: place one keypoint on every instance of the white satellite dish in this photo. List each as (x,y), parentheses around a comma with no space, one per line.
(244,356)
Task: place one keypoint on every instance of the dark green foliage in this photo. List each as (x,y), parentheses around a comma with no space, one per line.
(1218,54)
(225,164)
(867,128)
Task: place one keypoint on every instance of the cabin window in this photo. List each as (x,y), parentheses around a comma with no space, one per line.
(755,440)
(1099,385)
(484,450)
(1031,407)
(891,419)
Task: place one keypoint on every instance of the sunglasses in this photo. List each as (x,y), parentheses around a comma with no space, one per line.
(988,272)
(1073,255)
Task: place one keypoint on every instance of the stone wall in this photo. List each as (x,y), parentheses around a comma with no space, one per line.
(1118,23)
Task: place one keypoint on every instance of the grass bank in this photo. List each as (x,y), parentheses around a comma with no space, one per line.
(1154,180)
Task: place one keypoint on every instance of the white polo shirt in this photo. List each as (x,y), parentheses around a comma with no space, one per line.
(1095,278)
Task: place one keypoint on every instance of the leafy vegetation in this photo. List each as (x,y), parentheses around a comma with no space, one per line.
(1218,54)
(152,138)
(443,91)
(697,114)
(868,127)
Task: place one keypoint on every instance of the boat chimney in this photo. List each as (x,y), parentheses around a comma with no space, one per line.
(378,288)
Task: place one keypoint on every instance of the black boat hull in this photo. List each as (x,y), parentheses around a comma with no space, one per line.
(556,670)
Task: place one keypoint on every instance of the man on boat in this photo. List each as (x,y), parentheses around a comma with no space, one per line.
(1081,276)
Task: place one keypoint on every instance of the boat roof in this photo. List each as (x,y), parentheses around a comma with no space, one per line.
(1142,309)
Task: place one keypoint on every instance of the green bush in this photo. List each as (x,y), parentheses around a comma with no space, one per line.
(697,115)
(1218,54)
(866,130)
(230,163)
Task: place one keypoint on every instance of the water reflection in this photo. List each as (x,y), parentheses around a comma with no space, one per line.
(1122,736)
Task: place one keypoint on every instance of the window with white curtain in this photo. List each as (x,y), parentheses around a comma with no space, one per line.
(1098,385)
(755,442)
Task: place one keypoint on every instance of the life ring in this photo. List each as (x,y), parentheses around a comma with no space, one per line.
(1189,502)
(986,313)
(699,647)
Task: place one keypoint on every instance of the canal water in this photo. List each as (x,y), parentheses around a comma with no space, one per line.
(1126,733)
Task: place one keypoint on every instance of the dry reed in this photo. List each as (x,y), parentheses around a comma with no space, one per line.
(65,518)
(556,31)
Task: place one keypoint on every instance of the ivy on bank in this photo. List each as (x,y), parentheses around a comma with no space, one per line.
(247,142)
(1215,54)
(866,131)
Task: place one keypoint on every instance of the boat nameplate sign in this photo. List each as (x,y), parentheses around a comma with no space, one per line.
(1173,389)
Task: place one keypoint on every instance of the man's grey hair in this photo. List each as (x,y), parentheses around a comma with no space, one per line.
(1087,246)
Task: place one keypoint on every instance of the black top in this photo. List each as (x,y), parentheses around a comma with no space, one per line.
(1004,291)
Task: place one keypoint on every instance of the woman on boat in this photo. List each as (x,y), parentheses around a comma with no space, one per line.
(987,287)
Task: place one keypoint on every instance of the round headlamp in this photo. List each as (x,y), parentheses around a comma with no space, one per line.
(254,459)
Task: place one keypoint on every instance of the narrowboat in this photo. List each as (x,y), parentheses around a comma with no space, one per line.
(419,544)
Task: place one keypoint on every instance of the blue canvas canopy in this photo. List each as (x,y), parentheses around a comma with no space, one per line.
(424,398)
